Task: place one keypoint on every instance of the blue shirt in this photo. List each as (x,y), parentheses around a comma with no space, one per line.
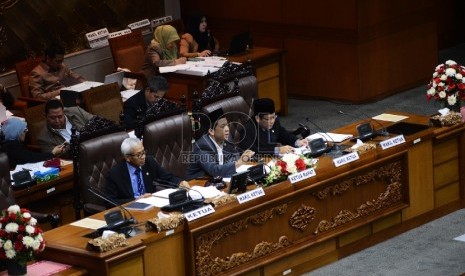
(132,176)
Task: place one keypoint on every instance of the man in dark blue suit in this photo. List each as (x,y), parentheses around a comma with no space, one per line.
(212,154)
(133,177)
(156,89)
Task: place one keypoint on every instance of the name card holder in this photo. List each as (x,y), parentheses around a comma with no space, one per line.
(160,21)
(143,25)
(345,159)
(119,33)
(296,177)
(98,38)
(392,142)
(200,212)
(250,195)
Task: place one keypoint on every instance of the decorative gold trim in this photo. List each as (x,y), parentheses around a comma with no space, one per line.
(302,218)
(104,245)
(173,220)
(222,200)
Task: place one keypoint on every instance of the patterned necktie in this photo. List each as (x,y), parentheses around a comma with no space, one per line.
(140,186)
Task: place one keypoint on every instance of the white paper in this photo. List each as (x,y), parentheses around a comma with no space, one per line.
(126,94)
(196,192)
(83,86)
(330,137)
(389,117)
(90,223)
(243,168)
(460,238)
(3,115)
(174,68)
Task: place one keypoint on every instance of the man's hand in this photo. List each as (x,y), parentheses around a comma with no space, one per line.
(184,184)
(302,142)
(245,157)
(285,149)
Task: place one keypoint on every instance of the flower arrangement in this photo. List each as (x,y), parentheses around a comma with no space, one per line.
(288,164)
(20,237)
(448,84)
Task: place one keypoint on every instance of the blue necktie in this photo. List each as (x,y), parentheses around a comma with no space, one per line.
(140,186)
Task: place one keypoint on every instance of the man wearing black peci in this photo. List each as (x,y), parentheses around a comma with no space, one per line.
(264,134)
(133,177)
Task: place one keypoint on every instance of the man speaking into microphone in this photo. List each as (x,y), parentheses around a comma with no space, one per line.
(133,177)
(264,134)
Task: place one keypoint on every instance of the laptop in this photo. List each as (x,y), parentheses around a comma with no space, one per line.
(114,77)
(238,44)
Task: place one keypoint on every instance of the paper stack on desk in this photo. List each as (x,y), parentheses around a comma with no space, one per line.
(330,137)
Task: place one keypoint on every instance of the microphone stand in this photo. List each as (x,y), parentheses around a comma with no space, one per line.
(187,205)
(336,149)
(382,132)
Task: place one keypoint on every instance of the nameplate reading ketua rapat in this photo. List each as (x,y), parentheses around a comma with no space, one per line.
(394,141)
(198,213)
(345,159)
(296,177)
(248,196)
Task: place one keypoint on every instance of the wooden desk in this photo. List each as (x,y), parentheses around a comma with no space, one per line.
(270,72)
(297,227)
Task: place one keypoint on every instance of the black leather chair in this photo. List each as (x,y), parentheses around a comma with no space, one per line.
(7,195)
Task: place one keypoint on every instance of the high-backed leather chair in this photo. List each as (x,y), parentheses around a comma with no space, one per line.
(7,195)
(35,118)
(104,101)
(128,51)
(23,70)
(248,89)
(169,140)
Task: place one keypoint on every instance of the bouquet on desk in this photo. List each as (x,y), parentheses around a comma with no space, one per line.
(288,164)
(447,85)
(20,236)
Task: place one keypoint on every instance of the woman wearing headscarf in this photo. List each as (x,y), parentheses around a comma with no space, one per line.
(162,51)
(197,41)
(14,131)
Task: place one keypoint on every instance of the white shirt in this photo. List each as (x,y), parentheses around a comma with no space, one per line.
(219,149)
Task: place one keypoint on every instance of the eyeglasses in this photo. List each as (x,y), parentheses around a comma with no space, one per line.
(139,154)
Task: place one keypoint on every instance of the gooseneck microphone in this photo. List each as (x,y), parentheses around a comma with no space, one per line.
(179,200)
(319,146)
(365,130)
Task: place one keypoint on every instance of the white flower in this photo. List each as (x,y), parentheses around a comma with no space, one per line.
(450,72)
(439,66)
(28,241)
(441,84)
(458,76)
(435,74)
(39,237)
(444,77)
(452,99)
(450,62)
(442,95)
(14,209)
(33,221)
(10,254)
(35,244)
(8,245)
(431,91)
(30,229)
(26,215)
(11,227)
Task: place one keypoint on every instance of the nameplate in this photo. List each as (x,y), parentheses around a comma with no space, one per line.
(119,33)
(162,20)
(392,142)
(143,25)
(296,177)
(250,195)
(345,159)
(200,212)
(98,38)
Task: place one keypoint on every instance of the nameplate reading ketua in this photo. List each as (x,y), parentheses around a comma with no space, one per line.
(296,177)
(248,196)
(394,141)
(345,159)
(200,212)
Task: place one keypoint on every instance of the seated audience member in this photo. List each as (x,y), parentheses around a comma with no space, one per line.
(156,89)
(14,131)
(133,177)
(162,50)
(197,41)
(213,154)
(52,74)
(6,98)
(264,134)
(59,121)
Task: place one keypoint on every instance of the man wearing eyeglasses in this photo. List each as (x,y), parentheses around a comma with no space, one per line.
(140,102)
(264,134)
(134,176)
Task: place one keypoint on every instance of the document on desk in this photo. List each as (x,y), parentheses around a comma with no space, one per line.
(389,117)
(89,223)
(174,68)
(330,137)
(83,86)
(126,94)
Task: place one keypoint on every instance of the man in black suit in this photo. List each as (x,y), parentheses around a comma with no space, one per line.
(212,154)
(264,134)
(138,104)
(134,176)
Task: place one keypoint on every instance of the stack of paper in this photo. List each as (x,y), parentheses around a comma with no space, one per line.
(330,137)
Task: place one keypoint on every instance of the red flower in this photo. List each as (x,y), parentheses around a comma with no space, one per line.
(300,164)
(283,166)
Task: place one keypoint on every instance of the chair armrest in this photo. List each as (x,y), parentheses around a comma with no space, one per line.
(31,101)
(53,219)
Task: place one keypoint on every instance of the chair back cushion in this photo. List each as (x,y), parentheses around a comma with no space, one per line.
(6,193)
(248,89)
(128,51)
(236,111)
(23,70)
(96,157)
(170,141)
(104,101)
(35,118)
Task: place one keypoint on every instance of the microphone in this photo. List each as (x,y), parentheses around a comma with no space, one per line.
(319,146)
(365,130)
(180,200)
(113,225)
(302,131)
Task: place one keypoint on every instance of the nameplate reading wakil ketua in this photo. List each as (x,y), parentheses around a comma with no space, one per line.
(392,142)
(345,159)
(198,213)
(248,196)
(296,177)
